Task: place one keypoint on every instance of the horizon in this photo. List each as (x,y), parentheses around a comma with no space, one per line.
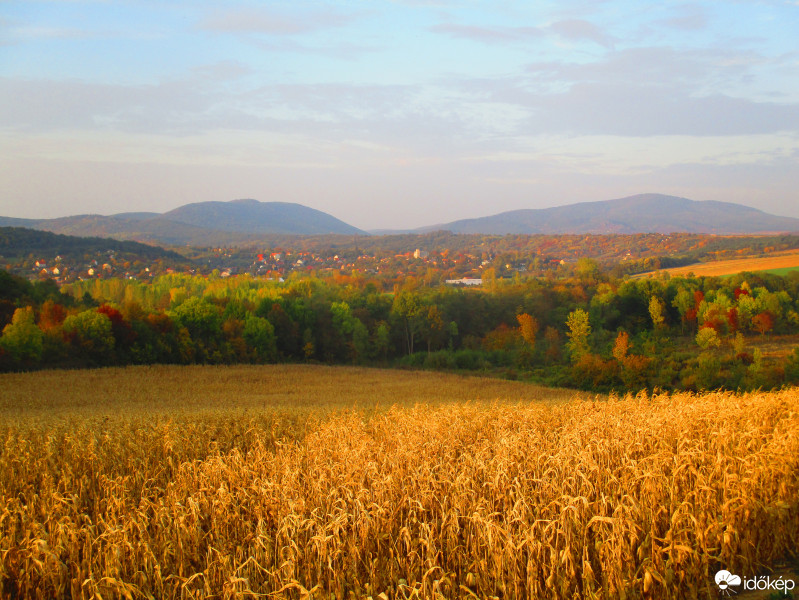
(398,114)
(422,229)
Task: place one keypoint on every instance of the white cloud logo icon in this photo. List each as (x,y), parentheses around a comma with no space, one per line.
(724,579)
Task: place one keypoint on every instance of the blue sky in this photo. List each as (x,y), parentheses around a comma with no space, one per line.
(396,114)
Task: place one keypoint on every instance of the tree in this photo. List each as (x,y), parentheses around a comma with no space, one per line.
(683,302)
(656,312)
(587,269)
(621,347)
(763,322)
(22,338)
(434,328)
(382,339)
(260,336)
(552,337)
(707,338)
(360,340)
(579,330)
(91,332)
(408,310)
(51,315)
(528,327)
(201,318)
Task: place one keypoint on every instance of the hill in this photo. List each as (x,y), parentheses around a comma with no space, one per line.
(251,216)
(199,224)
(27,252)
(16,242)
(643,213)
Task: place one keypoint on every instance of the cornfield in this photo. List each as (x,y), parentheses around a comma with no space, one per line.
(337,483)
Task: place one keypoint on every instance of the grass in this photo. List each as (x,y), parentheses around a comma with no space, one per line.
(333,482)
(782,272)
(779,264)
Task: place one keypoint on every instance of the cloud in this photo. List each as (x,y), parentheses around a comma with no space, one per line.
(568,29)
(617,109)
(639,92)
(579,29)
(689,17)
(271,22)
(630,93)
(657,65)
(488,34)
(341,50)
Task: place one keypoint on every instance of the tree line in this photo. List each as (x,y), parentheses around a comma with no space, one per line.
(588,330)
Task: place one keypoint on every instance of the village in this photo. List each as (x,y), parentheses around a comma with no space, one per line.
(442,267)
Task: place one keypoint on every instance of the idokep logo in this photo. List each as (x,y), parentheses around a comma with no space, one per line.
(725,579)
(727,583)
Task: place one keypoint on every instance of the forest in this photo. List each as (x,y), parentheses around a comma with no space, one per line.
(589,330)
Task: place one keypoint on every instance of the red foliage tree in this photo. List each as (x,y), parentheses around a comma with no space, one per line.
(763,322)
(732,319)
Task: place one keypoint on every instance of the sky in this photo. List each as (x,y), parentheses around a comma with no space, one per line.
(396,114)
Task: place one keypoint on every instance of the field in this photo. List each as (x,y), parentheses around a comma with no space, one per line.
(780,264)
(318,482)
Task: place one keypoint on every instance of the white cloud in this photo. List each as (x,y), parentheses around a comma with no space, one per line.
(271,22)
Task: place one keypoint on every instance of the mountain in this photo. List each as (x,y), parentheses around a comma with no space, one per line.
(198,224)
(251,216)
(643,213)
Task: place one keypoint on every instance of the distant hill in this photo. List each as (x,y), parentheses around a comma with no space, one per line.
(199,224)
(251,216)
(644,213)
(20,242)
(247,222)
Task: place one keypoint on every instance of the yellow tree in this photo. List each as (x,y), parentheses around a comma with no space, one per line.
(579,330)
(528,328)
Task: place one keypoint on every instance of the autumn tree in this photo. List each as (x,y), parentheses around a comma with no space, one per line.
(763,322)
(656,310)
(579,330)
(621,346)
(528,328)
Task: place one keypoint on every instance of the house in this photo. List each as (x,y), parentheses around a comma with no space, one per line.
(464,281)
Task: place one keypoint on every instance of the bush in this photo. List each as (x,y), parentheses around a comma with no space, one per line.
(440,360)
(471,360)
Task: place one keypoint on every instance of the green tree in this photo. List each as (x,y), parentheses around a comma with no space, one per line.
(260,336)
(587,269)
(408,310)
(22,338)
(92,334)
(382,339)
(360,340)
(201,318)
(683,302)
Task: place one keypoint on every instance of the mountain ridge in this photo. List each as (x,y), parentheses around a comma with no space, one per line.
(641,213)
(199,223)
(246,221)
